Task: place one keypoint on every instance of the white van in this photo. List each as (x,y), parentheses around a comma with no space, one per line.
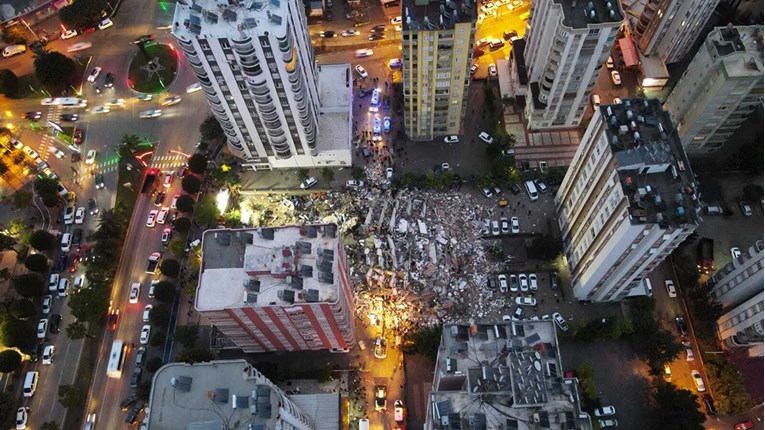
(66,242)
(11,50)
(531,189)
(71,102)
(363,423)
(30,384)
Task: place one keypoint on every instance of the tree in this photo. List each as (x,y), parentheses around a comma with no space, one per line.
(46,186)
(10,360)
(753,193)
(357,173)
(198,163)
(171,268)
(206,212)
(21,334)
(673,408)
(182,225)
(186,335)
(164,291)
(210,129)
(159,315)
(41,240)
(185,204)
(425,340)
(6,242)
(301,174)
(191,184)
(70,396)
(29,285)
(177,245)
(23,309)
(546,247)
(727,384)
(659,349)
(194,355)
(81,13)
(89,304)
(157,339)
(7,410)
(76,330)
(54,70)
(13,35)
(327,174)
(153,364)
(9,83)
(36,263)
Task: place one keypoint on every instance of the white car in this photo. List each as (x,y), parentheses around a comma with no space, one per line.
(22,418)
(504,225)
(162,216)
(175,201)
(170,101)
(605,411)
(523,280)
(42,327)
(101,109)
(48,352)
(608,423)
(166,233)
(79,216)
(31,153)
(91,157)
(47,302)
(515,226)
(699,381)
(79,46)
(68,34)
(493,70)
(135,291)
(115,102)
(152,113)
(69,215)
(53,282)
(451,139)
(106,23)
(361,71)
(671,291)
(560,321)
(152,218)
(502,283)
(616,78)
(389,173)
(196,86)
(361,53)
(308,183)
(350,33)
(495,228)
(610,63)
(146,311)
(58,153)
(486,137)
(145,332)
(94,74)
(533,282)
(735,253)
(63,286)
(396,20)
(525,301)
(513,284)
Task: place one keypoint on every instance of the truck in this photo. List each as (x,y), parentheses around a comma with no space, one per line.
(153,263)
(705,252)
(149,182)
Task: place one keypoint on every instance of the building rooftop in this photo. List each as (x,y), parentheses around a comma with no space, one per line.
(503,376)
(419,15)
(204,396)
(652,164)
(335,97)
(234,19)
(583,13)
(268,266)
(517,55)
(739,40)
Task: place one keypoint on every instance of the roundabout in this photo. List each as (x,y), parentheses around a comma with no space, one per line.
(153,68)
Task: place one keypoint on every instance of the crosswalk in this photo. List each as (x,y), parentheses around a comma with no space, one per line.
(172,161)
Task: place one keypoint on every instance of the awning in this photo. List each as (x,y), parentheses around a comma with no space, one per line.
(629,52)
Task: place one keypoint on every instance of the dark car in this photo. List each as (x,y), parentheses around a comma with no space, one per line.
(126,403)
(71,117)
(376,37)
(61,263)
(554,280)
(109,80)
(37,45)
(76,157)
(32,116)
(92,206)
(159,199)
(386,102)
(328,34)
(508,35)
(76,236)
(140,357)
(99,181)
(73,263)
(515,189)
(55,322)
(114,317)
(328,15)
(709,405)
(363,92)
(492,283)
(132,415)
(682,328)
(135,379)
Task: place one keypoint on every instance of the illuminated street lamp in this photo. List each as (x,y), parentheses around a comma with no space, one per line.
(222,200)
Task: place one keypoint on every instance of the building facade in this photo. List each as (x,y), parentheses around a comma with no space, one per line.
(277,289)
(567,44)
(507,375)
(668,28)
(437,44)
(721,87)
(627,200)
(257,68)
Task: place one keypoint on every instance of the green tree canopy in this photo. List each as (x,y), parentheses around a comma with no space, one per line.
(10,360)
(21,334)
(186,335)
(23,309)
(170,267)
(357,173)
(14,34)
(54,70)
(41,240)
(76,330)
(6,241)
(7,410)
(206,212)
(327,174)
(185,203)
(81,13)
(177,245)
(70,396)
(159,315)
(9,83)
(29,284)
(198,163)
(210,129)
(46,186)
(194,355)
(36,263)
(164,291)
(157,339)
(673,408)
(182,225)
(89,304)
(301,174)
(727,384)
(191,184)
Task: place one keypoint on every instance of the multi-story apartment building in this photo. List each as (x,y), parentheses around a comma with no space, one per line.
(567,43)
(277,289)
(720,88)
(627,201)
(232,394)
(738,287)
(257,68)
(437,43)
(669,28)
(502,376)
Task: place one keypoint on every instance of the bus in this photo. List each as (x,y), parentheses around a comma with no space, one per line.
(117,359)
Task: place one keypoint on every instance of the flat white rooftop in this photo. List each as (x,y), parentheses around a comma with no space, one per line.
(232,19)
(335,90)
(268,266)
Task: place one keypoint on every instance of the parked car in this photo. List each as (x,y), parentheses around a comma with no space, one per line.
(745,208)
(605,411)
(525,301)
(524,282)
(381,392)
(451,139)
(698,380)
(608,423)
(671,291)
(560,321)
(308,183)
